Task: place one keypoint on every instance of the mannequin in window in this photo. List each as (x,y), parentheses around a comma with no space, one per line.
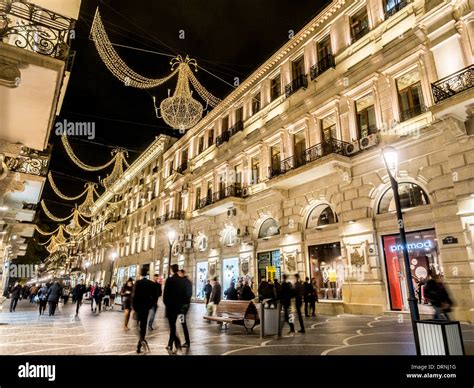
(325,275)
(332,275)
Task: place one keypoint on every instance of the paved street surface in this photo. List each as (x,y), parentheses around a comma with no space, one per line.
(24,332)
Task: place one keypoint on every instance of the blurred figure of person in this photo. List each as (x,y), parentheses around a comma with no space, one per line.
(15,295)
(277,287)
(54,294)
(154,308)
(299,296)
(65,294)
(261,287)
(286,295)
(113,295)
(33,293)
(174,297)
(216,295)
(314,297)
(126,294)
(208,291)
(308,291)
(269,293)
(98,295)
(231,292)
(91,296)
(247,293)
(78,293)
(187,303)
(438,296)
(144,296)
(42,298)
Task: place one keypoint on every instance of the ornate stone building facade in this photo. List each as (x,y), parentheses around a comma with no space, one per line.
(286,174)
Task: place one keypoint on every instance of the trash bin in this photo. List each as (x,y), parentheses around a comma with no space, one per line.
(440,338)
(270,321)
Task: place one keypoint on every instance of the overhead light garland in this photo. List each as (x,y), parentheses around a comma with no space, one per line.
(180,110)
(117,171)
(51,216)
(63,196)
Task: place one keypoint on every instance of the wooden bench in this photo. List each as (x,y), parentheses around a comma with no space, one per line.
(238,312)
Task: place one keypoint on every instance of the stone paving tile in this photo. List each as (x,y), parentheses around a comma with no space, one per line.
(25,332)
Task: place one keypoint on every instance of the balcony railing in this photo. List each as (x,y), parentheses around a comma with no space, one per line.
(34,28)
(412,112)
(453,84)
(182,167)
(311,154)
(229,191)
(323,64)
(394,8)
(28,162)
(299,82)
(228,133)
(170,216)
(237,127)
(356,35)
(222,138)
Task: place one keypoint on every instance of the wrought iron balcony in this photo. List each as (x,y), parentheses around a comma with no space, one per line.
(412,112)
(29,162)
(238,126)
(36,29)
(394,8)
(182,167)
(170,216)
(222,138)
(323,64)
(356,35)
(453,84)
(310,154)
(299,82)
(229,191)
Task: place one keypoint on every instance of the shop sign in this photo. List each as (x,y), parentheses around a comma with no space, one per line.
(412,246)
(450,240)
(271,271)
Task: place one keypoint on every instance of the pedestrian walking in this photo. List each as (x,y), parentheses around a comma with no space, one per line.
(113,295)
(231,292)
(269,293)
(216,295)
(247,293)
(78,293)
(15,295)
(107,293)
(54,294)
(308,291)
(143,297)
(314,297)
(98,295)
(174,297)
(299,296)
(126,294)
(33,293)
(436,293)
(187,303)
(154,308)
(286,294)
(42,298)
(208,291)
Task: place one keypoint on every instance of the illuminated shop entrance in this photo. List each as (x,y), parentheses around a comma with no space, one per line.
(269,265)
(327,268)
(423,252)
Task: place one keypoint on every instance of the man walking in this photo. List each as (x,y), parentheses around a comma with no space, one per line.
(79,292)
(216,295)
(174,297)
(16,292)
(54,294)
(156,281)
(299,295)
(185,309)
(143,298)
(285,297)
(207,291)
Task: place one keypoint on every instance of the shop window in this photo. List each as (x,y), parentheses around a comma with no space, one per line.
(321,215)
(411,195)
(365,111)
(275,87)
(269,228)
(327,268)
(410,96)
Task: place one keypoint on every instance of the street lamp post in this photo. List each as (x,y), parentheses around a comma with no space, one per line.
(390,158)
(171,240)
(113,256)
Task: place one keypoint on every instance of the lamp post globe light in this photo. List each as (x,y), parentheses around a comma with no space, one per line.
(390,158)
(171,239)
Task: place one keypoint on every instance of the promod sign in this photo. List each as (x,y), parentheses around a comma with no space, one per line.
(412,246)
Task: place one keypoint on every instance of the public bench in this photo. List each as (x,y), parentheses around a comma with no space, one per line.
(238,312)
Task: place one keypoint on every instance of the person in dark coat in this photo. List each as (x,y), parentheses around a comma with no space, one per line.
(78,293)
(54,294)
(308,292)
(186,305)
(126,294)
(261,288)
(299,296)
(156,281)
(216,295)
(231,292)
(438,296)
(314,297)
(247,293)
(277,287)
(144,296)
(207,291)
(174,297)
(42,298)
(286,294)
(16,293)
(98,296)
(269,293)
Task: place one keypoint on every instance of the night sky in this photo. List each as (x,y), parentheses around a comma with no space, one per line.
(228,38)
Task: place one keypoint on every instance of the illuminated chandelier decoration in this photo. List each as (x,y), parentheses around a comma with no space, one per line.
(180,111)
(117,171)
(56,241)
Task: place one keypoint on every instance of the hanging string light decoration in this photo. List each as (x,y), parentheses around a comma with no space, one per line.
(60,194)
(74,227)
(42,232)
(117,171)
(51,216)
(180,110)
(85,208)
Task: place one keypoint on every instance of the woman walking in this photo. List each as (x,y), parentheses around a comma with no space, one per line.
(42,298)
(126,293)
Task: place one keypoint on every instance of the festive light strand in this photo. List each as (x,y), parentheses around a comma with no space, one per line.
(45,233)
(59,193)
(52,216)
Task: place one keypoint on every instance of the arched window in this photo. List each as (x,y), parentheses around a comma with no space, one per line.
(321,215)
(411,195)
(269,228)
(229,237)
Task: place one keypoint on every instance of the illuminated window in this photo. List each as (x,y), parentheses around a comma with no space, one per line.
(269,228)
(365,112)
(410,96)
(275,87)
(411,195)
(321,215)
(256,103)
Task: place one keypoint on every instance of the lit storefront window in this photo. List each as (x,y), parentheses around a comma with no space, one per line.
(327,268)
(201,279)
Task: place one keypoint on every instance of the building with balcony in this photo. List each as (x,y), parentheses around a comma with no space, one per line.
(286,174)
(35,63)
